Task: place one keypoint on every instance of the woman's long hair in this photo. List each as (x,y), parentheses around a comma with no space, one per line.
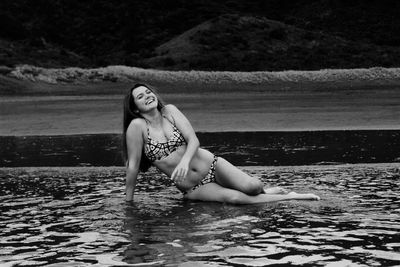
(129,115)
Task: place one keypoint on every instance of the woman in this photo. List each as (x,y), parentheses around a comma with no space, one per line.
(160,135)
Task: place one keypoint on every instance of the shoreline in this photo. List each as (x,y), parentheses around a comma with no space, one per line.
(63,134)
(84,169)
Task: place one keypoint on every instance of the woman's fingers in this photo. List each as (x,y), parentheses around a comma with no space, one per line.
(179,174)
(175,175)
(183,173)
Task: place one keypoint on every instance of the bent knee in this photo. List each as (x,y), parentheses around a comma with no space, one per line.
(254,187)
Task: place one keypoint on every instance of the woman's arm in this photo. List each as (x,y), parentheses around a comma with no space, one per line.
(183,124)
(134,141)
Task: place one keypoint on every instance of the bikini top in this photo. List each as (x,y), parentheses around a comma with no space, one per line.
(158,150)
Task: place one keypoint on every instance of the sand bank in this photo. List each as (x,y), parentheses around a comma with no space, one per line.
(76,101)
(55,115)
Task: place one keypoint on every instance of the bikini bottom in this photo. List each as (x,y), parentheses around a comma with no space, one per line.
(209,178)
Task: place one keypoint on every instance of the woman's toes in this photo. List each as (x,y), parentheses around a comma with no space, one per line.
(295,195)
(316,197)
(313,197)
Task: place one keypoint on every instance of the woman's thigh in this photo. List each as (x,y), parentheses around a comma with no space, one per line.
(230,176)
(214,192)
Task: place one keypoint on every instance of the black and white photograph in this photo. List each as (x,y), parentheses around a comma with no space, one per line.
(199,133)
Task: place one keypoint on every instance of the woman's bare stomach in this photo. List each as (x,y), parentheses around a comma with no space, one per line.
(198,168)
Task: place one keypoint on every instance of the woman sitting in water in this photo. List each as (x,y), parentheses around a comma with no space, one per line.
(160,135)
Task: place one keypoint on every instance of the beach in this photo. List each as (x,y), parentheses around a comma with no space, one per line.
(209,112)
(37,101)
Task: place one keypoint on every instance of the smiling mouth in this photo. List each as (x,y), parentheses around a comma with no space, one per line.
(151,100)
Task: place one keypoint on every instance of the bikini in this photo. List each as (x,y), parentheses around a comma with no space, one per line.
(210,177)
(158,150)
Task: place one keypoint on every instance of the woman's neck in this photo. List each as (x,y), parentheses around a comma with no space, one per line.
(153,117)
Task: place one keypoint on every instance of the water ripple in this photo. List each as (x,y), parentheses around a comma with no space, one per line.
(78,217)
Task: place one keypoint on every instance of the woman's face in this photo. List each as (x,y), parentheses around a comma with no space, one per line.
(144,98)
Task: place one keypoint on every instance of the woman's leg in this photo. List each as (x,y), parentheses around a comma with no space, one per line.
(230,176)
(215,192)
(275,190)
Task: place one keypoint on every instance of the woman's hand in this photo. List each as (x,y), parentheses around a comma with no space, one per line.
(180,172)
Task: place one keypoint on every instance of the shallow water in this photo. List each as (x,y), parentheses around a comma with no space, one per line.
(240,148)
(77,217)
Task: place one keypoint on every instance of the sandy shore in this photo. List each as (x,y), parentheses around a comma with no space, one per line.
(37,101)
(353,108)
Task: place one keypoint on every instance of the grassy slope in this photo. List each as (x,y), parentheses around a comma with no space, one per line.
(29,80)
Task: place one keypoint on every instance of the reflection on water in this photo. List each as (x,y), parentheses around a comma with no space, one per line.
(78,217)
(240,148)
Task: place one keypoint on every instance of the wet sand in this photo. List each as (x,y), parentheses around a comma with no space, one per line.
(267,110)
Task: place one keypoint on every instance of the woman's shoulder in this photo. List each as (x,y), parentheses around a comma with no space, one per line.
(169,108)
(170,112)
(136,126)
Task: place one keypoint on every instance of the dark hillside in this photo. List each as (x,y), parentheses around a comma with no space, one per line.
(248,43)
(89,33)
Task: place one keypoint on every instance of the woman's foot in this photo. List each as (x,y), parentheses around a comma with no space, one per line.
(275,190)
(295,195)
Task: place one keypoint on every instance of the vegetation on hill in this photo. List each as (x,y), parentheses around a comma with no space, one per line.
(249,43)
(201,34)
